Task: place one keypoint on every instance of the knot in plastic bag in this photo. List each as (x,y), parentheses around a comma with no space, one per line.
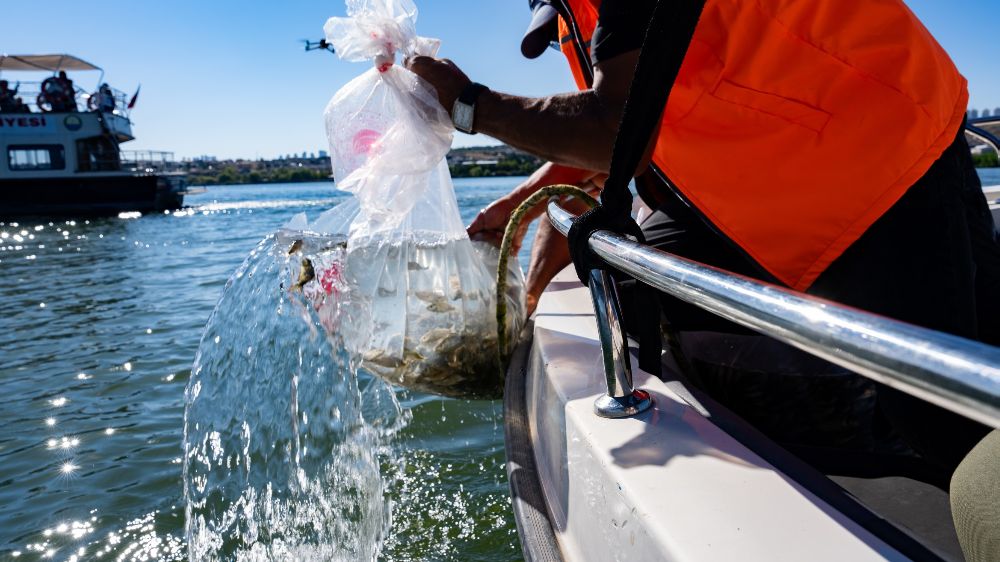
(375,30)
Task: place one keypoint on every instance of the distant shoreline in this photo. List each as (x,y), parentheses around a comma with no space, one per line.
(472,162)
(475,162)
(986,160)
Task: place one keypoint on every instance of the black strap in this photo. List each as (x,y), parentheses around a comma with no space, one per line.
(663,50)
(666,43)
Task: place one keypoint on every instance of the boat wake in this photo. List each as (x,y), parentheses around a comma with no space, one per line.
(271,204)
(284,447)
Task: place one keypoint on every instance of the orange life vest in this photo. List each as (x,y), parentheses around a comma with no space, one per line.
(793,126)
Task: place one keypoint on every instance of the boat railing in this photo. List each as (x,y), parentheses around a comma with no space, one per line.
(955,373)
(29,91)
(986,130)
(149,160)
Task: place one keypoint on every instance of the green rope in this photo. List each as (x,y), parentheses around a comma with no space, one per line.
(673,337)
(508,240)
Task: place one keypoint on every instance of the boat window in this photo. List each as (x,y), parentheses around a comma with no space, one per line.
(95,154)
(36,157)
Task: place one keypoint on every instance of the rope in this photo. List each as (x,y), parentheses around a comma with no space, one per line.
(505,248)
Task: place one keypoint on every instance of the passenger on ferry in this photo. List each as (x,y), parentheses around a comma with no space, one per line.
(62,95)
(20,106)
(105,99)
(774,143)
(70,90)
(8,97)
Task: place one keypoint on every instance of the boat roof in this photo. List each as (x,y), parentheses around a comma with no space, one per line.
(47,63)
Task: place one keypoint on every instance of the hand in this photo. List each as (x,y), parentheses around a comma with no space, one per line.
(447,79)
(491,222)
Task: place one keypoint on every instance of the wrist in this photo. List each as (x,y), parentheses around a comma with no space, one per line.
(464,109)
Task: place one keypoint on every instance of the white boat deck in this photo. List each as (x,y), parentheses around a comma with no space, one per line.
(668,484)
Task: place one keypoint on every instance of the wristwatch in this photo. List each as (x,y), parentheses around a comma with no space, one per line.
(463,113)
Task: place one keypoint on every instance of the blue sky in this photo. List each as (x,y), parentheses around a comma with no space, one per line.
(230,79)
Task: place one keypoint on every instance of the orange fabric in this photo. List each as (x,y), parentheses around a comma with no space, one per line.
(793,126)
(586,20)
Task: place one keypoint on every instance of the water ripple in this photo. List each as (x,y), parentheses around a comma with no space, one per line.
(137,292)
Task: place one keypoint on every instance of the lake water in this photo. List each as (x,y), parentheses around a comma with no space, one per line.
(990,176)
(99,323)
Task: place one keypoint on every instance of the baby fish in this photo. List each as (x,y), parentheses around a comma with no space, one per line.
(436,301)
(306,274)
(382,359)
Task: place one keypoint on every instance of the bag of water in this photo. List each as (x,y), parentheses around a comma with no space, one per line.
(422,295)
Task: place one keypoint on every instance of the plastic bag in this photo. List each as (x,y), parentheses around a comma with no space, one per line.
(388,133)
(419,294)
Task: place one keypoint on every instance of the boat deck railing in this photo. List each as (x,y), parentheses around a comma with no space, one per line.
(143,161)
(160,160)
(986,130)
(955,373)
(29,91)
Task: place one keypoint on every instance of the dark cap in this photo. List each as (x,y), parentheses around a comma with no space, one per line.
(542,30)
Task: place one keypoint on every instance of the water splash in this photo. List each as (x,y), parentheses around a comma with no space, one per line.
(282,456)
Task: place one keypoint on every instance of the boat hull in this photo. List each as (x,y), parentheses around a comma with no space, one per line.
(90,195)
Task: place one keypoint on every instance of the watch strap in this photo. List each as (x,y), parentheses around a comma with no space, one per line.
(463,114)
(471,93)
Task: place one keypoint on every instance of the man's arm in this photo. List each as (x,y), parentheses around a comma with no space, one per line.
(576,129)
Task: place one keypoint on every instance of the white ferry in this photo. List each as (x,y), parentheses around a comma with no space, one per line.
(60,146)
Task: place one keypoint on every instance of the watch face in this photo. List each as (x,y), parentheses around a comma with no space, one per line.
(462,116)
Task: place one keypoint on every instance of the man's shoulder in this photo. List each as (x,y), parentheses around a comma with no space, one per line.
(621,27)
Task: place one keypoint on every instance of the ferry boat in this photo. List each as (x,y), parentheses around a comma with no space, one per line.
(607,463)
(60,146)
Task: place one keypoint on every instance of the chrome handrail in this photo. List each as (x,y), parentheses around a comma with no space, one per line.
(622,399)
(955,373)
(976,128)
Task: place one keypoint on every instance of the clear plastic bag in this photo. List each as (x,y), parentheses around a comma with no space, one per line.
(388,133)
(419,294)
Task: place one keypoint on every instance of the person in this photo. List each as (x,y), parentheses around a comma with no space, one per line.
(64,96)
(8,102)
(793,148)
(974,497)
(20,106)
(105,99)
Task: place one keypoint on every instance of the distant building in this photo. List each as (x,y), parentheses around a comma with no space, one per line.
(985,113)
(973,113)
(323,154)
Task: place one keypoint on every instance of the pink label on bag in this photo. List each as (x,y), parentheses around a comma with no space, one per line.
(363,141)
(330,278)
